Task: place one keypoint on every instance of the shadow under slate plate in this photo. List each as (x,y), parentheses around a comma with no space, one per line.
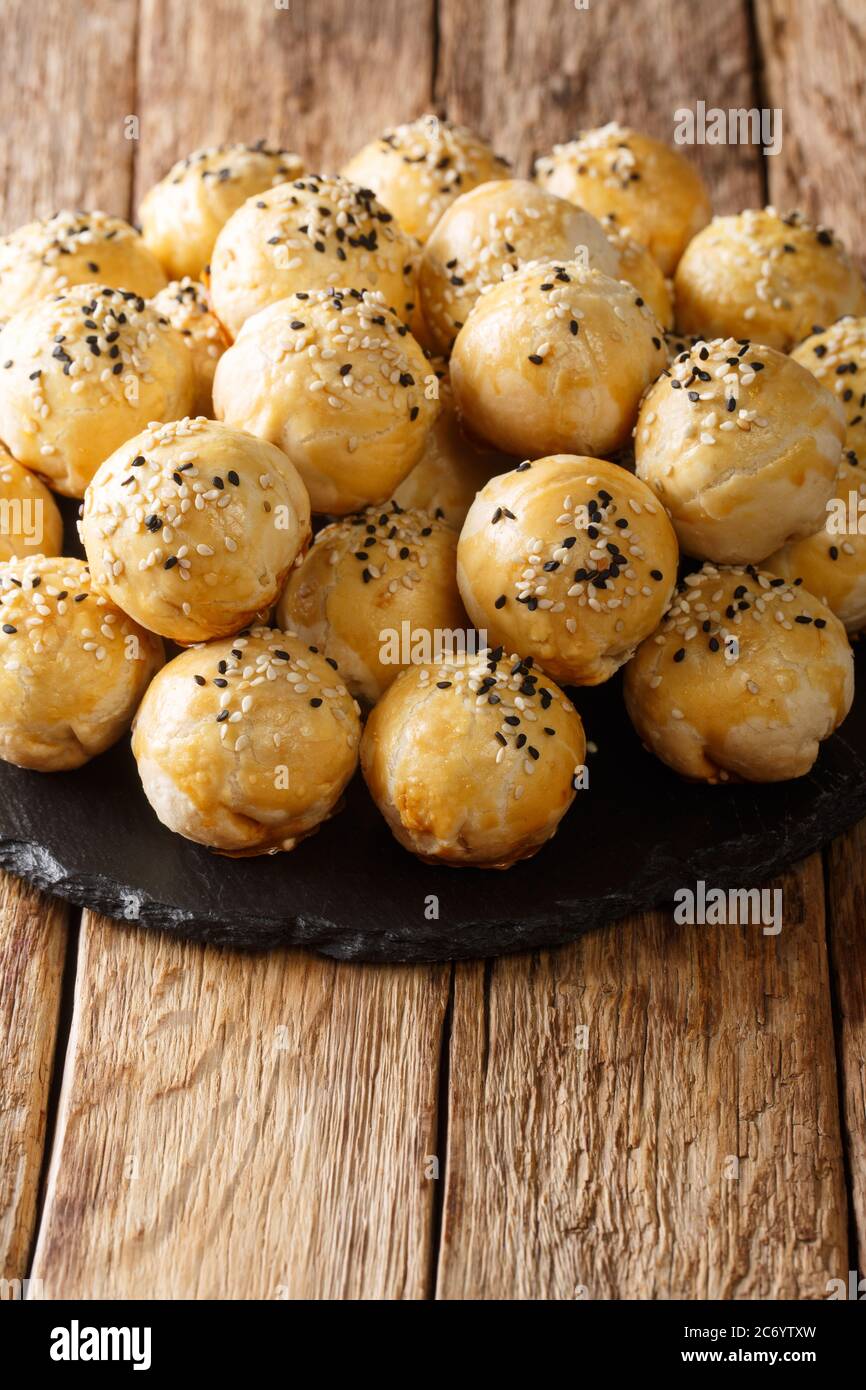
(629,841)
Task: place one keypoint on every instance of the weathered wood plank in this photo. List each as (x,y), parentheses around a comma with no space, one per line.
(232,1126)
(604,1170)
(648,1114)
(847,929)
(814,59)
(815,69)
(320,79)
(63,145)
(32,952)
(533,74)
(67,81)
(242,1127)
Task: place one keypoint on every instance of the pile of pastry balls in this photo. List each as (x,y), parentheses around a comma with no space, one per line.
(546,429)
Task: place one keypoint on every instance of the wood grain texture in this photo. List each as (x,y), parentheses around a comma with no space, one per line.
(815,70)
(602,1174)
(814,60)
(66,84)
(32,952)
(67,81)
(847,922)
(534,74)
(686,1146)
(320,78)
(242,1127)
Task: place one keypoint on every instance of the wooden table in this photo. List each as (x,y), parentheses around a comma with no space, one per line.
(653,1112)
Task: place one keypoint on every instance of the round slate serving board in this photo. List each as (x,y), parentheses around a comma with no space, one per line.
(636,835)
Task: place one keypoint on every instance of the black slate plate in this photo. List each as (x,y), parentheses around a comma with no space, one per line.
(635,836)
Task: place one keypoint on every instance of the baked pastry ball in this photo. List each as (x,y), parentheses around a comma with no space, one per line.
(570,560)
(837,357)
(246,744)
(656,195)
(182,215)
(473,761)
(184,304)
(51,255)
(490,232)
(640,269)
(338,382)
(555,359)
(742,446)
(73,667)
(192,528)
(375,590)
(744,678)
(83,372)
(762,276)
(418,169)
(832,562)
(315,233)
(454,465)
(30,522)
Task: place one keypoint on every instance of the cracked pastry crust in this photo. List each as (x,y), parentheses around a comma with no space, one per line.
(73,667)
(247,744)
(766,277)
(49,256)
(337,381)
(182,215)
(656,196)
(193,527)
(314,233)
(84,372)
(555,359)
(570,560)
(742,446)
(473,763)
(366,577)
(418,169)
(745,677)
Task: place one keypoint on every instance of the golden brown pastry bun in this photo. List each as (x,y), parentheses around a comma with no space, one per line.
(30,522)
(247,744)
(638,266)
(832,562)
(555,359)
(489,233)
(762,276)
(473,762)
(570,560)
(315,233)
(744,678)
(418,169)
(184,304)
(73,667)
(182,215)
(656,195)
(48,257)
(192,528)
(83,372)
(742,446)
(374,590)
(338,382)
(837,357)
(454,466)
